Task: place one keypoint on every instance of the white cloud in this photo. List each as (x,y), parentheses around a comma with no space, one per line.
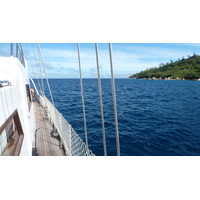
(127,59)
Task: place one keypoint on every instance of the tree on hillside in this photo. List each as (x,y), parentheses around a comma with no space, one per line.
(187,68)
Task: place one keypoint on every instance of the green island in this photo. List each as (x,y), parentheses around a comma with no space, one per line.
(182,69)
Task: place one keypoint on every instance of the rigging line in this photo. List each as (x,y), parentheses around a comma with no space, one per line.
(114,101)
(82,95)
(40,65)
(59,128)
(11,49)
(37,65)
(33,69)
(30,59)
(101,101)
(21,55)
(17,50)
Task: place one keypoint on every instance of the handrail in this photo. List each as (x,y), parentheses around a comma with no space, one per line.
(18,52)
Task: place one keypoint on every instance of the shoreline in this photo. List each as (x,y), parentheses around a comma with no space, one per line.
(166,79)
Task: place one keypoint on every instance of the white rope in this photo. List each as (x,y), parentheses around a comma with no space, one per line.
(41,64)
(59,129)
(37,65)
(33,68)
(82,95)
(36,91)
(114,101)
(21,54)
(101,101)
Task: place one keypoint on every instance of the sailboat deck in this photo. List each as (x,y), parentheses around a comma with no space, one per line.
(46,142)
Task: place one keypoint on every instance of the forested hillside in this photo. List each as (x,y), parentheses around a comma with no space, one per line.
(185,68)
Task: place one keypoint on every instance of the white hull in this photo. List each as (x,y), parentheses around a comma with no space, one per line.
(15,97)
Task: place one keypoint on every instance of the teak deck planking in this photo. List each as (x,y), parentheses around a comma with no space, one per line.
(45,143)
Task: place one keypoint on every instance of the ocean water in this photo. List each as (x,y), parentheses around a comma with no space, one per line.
(155,117)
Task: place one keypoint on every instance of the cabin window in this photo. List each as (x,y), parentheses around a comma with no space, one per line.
(11,136)
(28,95)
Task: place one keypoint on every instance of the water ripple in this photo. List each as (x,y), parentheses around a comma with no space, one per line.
(156,118)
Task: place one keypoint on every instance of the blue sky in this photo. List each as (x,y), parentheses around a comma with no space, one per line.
(128,58)
(61,59)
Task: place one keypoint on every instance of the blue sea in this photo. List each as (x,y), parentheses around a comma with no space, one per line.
(155,117)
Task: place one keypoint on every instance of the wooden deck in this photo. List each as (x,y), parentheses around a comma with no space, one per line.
(46,142)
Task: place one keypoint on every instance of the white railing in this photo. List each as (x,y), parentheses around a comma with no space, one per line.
(73,144)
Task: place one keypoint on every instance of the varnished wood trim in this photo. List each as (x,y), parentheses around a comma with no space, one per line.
(19,145)
(5,124)
(18,125)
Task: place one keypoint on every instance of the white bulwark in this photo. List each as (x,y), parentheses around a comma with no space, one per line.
(14,95)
